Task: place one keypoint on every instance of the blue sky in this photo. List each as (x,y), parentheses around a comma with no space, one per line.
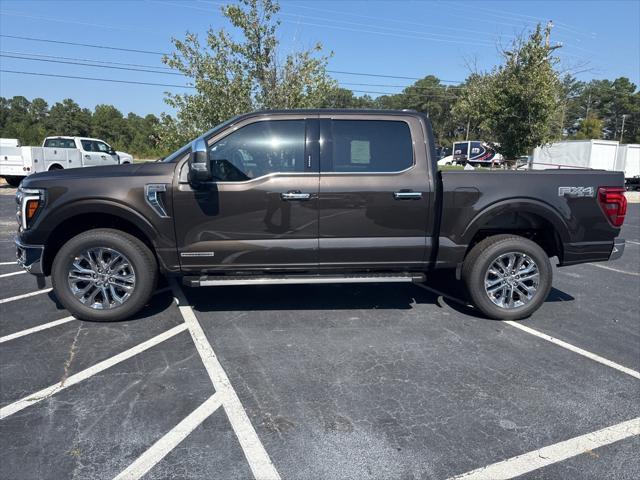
(601,39)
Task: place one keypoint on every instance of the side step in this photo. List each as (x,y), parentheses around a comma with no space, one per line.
(222,280)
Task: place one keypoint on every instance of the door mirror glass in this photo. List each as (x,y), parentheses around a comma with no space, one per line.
(199,165)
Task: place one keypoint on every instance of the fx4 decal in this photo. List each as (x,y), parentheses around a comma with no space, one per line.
(576,192)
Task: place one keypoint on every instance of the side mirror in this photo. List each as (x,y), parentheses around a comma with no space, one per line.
(199,165)
(112,151)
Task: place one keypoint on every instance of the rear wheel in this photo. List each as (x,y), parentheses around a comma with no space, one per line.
(507,276)
(104,275)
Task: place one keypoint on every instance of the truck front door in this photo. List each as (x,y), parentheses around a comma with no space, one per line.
(105,155)
(261,209)
(90,154)
(374,199)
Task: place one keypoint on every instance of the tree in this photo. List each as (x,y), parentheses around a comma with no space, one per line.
(233,76)
(472,105)
(590,127)
(107,123)
(524,96)
(67,118)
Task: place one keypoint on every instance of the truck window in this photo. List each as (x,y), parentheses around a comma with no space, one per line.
(100,147)
(364,146)
(60,143)
(259,149)
(87,145)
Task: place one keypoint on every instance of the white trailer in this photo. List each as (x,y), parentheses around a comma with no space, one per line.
(588,154)
(56,153)
(628,161)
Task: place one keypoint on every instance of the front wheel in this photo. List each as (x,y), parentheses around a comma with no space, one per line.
(508,277)
(104,275)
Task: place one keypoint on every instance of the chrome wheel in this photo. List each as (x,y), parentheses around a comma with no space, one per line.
(101,278)
(512,280)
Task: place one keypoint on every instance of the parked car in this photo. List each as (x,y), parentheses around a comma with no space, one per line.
(311,196)
(56,153)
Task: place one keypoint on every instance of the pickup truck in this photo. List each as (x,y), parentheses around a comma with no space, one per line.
(56,153)
(311,196)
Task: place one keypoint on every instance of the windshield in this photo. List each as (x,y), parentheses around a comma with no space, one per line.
(182,150)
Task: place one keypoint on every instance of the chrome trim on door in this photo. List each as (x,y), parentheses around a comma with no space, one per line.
(295,196)
(407,195)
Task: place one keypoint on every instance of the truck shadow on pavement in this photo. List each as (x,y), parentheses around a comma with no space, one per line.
(157,304)
(334,297)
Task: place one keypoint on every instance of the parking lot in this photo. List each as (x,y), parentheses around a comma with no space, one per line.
(372,381)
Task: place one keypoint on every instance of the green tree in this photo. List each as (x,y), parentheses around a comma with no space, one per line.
(232,76)
(67,118)
(471,107)
(107,123)
(590,127)
(524,96)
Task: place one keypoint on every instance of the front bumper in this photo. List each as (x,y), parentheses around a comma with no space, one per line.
(29,257)
(618,248)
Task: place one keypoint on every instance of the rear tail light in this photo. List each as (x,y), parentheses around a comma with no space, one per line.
(613,204)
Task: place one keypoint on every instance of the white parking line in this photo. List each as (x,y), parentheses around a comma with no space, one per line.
(12,274)
(580,351)
(614,269)
(25,295)
(89,372)
(549,338)
(633,242)
(29,331)
(170,440)
(9,263)
(254,451)
(528,462)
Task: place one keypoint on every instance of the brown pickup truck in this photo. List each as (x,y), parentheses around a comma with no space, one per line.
(311,196)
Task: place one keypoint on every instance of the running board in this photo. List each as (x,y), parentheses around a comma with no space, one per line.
(222,280)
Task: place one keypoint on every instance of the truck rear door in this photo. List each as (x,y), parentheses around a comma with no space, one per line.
(374,199)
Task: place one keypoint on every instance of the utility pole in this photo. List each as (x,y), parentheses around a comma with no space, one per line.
(624,116)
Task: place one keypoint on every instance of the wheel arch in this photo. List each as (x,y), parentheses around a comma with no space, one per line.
(78,218)
(531,218)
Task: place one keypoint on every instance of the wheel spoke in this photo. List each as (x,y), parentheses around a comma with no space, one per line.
(101,278)
(511,280)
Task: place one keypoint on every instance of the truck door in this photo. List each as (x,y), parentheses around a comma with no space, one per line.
(261,209)
(374,193)
(104,150)
(90,154)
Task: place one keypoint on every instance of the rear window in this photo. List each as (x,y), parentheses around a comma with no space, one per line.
(366,146)
(60,143)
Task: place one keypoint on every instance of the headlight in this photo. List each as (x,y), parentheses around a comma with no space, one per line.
(29,202)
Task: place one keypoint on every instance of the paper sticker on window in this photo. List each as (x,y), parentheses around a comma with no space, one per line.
(360,152)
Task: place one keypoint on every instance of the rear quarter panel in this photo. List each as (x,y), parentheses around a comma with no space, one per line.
(470,199)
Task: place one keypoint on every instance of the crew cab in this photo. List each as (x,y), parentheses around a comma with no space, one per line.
(56,153)
(312,196)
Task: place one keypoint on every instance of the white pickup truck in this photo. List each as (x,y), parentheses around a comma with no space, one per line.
(16,162)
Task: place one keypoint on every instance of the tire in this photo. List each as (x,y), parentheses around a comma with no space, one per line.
(13,180)
(141,263)
(502,297)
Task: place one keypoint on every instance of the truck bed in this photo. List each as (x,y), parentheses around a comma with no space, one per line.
(528,200)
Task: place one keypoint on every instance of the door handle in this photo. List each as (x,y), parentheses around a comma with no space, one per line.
(295,196)
(103,156)
(87,157)
(407,195)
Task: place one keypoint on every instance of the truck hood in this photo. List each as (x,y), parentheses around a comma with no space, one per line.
(89,173)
